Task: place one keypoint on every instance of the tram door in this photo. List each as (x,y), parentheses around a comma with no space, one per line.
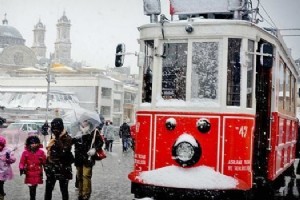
(263,116)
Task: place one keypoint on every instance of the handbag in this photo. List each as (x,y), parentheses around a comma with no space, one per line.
(100,154)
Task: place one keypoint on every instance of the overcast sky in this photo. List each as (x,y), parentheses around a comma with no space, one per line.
(97,26)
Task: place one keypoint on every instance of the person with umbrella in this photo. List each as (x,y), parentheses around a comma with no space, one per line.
(59,160)
(85,148)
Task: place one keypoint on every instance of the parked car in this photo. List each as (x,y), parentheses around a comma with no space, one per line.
(17,132)
(40,123)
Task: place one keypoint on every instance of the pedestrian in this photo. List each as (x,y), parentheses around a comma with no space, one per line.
(104,135)
(6,159)
(124,133)
(45,132)
(31,164)
(2,121)
(45,128)
(59,160)
(110,136)
(84,160)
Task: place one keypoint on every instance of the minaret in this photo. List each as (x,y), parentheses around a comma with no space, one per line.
(4,21)
(63,44)
(38,46)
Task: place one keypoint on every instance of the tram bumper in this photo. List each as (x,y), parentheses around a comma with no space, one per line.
(183,184)
(161,192)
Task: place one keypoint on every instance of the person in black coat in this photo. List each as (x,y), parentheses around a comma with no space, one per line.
(44,129)
(84,157)
(125,134)
(59,160)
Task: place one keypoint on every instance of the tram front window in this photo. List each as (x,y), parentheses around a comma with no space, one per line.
(174,71)
(147,71)
(234,72)
(205,70)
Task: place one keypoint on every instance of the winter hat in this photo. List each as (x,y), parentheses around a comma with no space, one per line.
(58,124)
(33,139)
(2,140)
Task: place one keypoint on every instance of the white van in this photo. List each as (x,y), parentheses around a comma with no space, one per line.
(16,133)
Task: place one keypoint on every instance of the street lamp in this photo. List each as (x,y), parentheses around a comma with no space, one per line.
(50,78)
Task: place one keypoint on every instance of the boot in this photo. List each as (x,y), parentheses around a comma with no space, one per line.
(32,192)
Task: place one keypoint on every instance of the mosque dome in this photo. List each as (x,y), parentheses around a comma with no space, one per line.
(9,31)
(10,35)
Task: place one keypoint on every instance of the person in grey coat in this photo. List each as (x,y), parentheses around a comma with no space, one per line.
(104,134)
(110,136)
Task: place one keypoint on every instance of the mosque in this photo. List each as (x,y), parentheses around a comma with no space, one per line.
(24,71)
(15,55)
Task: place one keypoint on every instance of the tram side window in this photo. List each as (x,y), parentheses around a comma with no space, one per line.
(250,65)
(147,72)
(234,72)
(293,86)
(174,71)
(281,87)
(287,90)
(205,70)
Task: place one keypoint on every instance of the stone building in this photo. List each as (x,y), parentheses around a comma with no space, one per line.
(23,83)
(13,52)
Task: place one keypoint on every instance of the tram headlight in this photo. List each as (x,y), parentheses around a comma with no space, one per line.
(186,150)
(171,123)
(189,28)
(203,125)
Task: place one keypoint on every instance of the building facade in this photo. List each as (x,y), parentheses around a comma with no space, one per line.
(23,83)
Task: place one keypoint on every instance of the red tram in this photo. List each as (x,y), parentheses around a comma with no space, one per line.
(217,108)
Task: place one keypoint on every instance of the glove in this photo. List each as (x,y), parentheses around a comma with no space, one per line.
(22,171)
(91,152)
(7,155)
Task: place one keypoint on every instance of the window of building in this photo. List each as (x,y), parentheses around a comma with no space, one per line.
(106,93)
(105,110)
(117,105)
(128,97)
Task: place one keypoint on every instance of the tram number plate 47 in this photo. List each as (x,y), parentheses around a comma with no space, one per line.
(243,131)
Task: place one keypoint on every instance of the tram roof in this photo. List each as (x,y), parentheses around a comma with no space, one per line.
(217,23)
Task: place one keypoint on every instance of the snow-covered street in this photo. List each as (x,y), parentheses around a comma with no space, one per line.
(109,179)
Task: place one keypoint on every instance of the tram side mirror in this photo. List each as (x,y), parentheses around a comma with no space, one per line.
(120,54)
(266,59)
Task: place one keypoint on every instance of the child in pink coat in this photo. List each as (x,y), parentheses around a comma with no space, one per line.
(31,164)
(6,159)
